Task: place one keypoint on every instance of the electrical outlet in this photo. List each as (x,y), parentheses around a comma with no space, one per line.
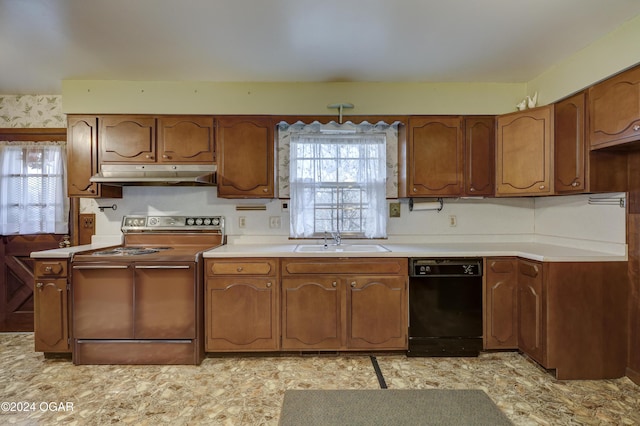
(86,227)
(274,222)
(242,222)
(453,221)
(394,209)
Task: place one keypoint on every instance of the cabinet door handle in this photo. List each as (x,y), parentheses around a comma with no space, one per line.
(541,186)
(150,157)
(268,285)
(353,284)
(636,127)
(334,284)
(39,285)
(239,269)
(102,267)
(472,189)
(162,266)
(415,189)
(165,156)
(265,189)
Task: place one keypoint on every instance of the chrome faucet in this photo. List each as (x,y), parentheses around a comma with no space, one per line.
(337,238)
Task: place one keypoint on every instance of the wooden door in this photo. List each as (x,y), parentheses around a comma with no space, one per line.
(524,152)
(312,313)
(127,139)
(377,313)
(614,110)
(436,156)
(165,301)
(531,308)
(51,325)
(241,314)
(479,148)
(186,139)
(245,158)
(570,145)
(501,307)
(17,278)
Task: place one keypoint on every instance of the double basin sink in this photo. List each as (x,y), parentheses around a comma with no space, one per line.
(342,248)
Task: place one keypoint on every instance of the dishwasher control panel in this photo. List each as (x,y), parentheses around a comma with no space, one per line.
(460,267)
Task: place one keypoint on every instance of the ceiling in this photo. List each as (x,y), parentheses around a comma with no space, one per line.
(45,41)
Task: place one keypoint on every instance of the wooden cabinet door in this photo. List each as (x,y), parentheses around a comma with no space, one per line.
(312,313)
(165,301)
(185,139)
(377,313)
(614,110)
(570,146)
(531,308)
(435,157)
(51,324)
(245,158)
(241,314)
(127,139)
(524,152)
(480,155)
(501,309)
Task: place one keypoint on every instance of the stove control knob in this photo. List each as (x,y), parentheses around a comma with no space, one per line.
(153,221)
(198,221)
(190,221)
(215,221)
(207,221)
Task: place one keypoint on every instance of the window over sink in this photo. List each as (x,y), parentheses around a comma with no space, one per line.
(338,180)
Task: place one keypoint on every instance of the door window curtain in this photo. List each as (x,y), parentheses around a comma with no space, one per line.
(338,184)
(33,195)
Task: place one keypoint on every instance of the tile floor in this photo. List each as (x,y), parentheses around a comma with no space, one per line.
(249,390)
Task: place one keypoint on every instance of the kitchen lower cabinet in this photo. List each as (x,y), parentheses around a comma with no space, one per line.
(572,317)
(242,305)
(51,314)
(344,304)
(501,307)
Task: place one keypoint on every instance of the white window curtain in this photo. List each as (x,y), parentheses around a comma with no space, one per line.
(33,196)
(338,184)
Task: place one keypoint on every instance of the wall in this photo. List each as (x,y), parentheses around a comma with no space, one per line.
(31,111)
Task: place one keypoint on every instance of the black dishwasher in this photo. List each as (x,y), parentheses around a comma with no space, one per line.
(445,307)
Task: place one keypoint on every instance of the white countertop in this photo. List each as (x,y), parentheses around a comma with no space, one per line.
(67,252)
(528,250)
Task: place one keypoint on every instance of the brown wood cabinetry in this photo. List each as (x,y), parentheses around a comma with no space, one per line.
(577,169)
(82,159)
(51,314)
(435,157)
(242,305)
(501,311)
(614,110)
(245,157)
(572,317)
(479,149)
(359,304)
(524,152)
(134,139)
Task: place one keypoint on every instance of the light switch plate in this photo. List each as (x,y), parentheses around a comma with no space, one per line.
(394,209)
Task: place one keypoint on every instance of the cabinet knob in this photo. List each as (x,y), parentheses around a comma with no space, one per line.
(353,284)
(415,189)
(472,189)
(239,269)
(334,284)
(265,189)
(150,157)
(268,285)
(48,269)
(39,285)
(574,184)
(541,186)
(93,191)
(636,127)
(165,156)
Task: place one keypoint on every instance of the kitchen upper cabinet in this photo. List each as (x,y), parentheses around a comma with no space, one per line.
(82,159)
(335,304)
(524,153)
(51,314)
(242,305)
(577,169)
(435,157)
(163,139)
(501,310)
(614,110)
(127,139)
(479,149)
(245,157)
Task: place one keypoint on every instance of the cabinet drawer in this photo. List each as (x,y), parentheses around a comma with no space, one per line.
(252,267)
(51,268)
(345,266)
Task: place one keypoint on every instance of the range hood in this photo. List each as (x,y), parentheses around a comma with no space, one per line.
(156,174)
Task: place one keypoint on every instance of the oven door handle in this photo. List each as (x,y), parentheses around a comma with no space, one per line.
(101,267)
(162,267)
